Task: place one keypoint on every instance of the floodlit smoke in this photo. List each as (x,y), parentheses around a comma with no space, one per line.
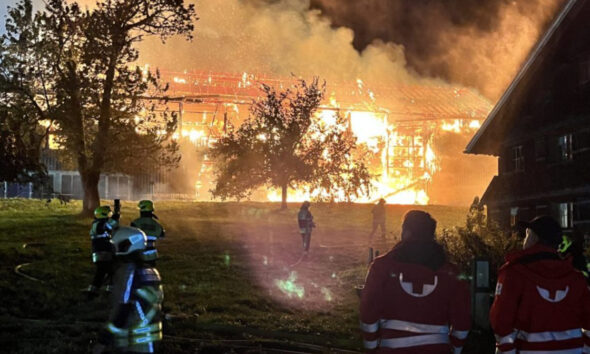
(479,44)
(279,38)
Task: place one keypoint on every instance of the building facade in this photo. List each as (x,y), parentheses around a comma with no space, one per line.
(540,130)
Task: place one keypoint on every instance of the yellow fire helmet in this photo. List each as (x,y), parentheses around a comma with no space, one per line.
(103,212)
(146,205)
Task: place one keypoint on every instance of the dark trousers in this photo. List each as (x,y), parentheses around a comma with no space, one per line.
(104,271)
(378,224)
(306,238)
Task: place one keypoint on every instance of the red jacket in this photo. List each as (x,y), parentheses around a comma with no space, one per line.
(542,304)
(411,308)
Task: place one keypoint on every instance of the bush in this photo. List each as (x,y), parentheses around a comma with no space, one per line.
(479,237)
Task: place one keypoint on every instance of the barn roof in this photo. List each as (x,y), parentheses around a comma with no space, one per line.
(401,102)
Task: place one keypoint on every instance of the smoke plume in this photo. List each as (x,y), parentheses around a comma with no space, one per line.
(277,38)
(479,44)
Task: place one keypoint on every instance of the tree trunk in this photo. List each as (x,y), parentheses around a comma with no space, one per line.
(284,197)
(91,197)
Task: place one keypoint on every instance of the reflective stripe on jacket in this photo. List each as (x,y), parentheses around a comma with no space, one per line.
(409,308)
(135,319)
(541,304)
(152,229)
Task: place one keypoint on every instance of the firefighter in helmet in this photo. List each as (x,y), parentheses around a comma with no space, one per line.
(135,319)
(148,223)
(102,249)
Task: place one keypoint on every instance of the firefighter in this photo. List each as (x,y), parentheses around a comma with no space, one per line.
(413,300)
(306,224)
(152,228)
(135,319)
(102,248)
(378,212)
(542,303)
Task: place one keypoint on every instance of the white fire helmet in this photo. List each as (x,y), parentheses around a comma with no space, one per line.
(128,240)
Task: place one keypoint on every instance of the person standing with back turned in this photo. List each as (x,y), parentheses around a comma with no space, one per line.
(378,212)
(306,224)
(413,301)
(148,223)
(542,303)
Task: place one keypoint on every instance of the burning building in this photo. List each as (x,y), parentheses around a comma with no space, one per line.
(540,130)
(397,124)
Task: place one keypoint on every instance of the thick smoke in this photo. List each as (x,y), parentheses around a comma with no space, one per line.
(479,44)
(279,38)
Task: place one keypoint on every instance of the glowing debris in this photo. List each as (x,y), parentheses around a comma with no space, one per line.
(265,260)
(226,259)
(289,287)
(327,294)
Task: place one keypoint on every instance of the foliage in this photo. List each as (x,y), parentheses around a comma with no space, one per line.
(20,144)
(282,144)
(21,135)
(479,237)
(85,82)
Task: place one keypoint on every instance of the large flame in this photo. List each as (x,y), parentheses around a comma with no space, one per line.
(399,138)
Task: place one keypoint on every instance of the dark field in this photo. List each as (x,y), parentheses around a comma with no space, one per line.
(232,275)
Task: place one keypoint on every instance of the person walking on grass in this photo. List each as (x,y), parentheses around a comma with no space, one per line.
(378,212)
(542,303)
(413,300)
(306,224)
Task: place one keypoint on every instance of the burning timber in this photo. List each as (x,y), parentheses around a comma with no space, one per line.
(396,123)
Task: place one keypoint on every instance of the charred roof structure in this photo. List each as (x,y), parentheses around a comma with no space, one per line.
(397,123)
(540,130)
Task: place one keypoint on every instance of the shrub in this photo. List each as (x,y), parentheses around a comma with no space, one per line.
(479,237)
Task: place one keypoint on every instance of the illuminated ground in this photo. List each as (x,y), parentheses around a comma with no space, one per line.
(229,271)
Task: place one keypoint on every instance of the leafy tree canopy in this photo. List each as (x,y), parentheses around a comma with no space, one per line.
(21,135)
(77,69)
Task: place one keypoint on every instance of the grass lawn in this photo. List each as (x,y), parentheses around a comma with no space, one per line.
(230,271)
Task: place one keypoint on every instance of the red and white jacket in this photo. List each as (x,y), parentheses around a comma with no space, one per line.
(542,305)
(410,308)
